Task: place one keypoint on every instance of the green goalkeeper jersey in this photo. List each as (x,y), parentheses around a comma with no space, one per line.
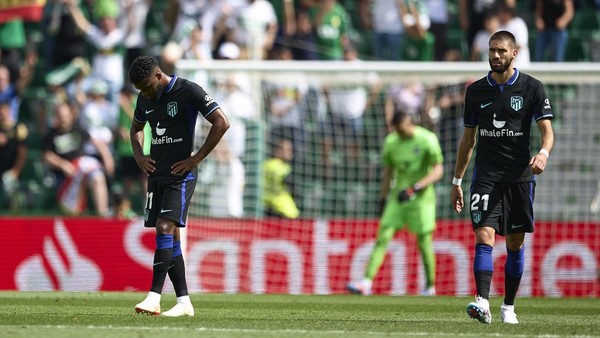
(411,159)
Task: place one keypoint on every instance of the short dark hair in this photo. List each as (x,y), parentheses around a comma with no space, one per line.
(142,67)
(399,116)
(504,35)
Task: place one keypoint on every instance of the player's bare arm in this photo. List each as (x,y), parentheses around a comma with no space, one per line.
(219,125)
(436,173)
(538,161)
(465,151)
(136,133)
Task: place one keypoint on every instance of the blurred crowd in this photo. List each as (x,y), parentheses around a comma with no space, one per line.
(69,72)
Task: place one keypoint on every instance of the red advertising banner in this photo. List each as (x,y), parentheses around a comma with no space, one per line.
(26,10)
(273,256)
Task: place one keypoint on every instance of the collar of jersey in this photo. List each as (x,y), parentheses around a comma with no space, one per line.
(510,81)
(170,85)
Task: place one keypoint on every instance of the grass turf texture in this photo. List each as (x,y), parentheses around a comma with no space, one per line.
(111,314)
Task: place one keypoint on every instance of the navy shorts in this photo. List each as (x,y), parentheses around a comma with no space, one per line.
(168,197)
(506,207)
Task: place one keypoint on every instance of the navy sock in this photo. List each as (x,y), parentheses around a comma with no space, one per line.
(177,271)
(483,268)
(513,270)
(162,258)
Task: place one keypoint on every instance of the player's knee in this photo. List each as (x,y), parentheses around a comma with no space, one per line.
(165,227)
(515,241)
(484,236)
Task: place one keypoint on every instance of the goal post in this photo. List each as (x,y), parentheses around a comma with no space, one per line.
(335,115)
(565,190)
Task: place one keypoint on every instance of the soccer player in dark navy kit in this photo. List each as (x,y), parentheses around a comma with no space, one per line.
(170,105)
(499,111)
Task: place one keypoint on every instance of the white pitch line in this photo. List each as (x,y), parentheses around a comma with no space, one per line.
(289,331)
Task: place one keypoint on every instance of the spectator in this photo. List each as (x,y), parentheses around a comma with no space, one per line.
(481,43)
(12,46)
(107,37)
(304,47)
(277,194)
(330,22)
(450,102)
(135,39)
(183,15)
(287,115)
(438,15)
(195,47)
(385,23)
(78,86)
(63,151)
(254,28)
(347,106)
(169,55)
(285,11)
(509,21)
(552,19)
(419,41)
(99,117)
(470,13)
(13,153)
(66,84)
(11,91)
(223,179)
(409,98)
(64,42)
(233,96)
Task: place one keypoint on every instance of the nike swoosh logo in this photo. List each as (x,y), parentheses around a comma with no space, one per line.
(515,226)
(149,111)
(483,105)
(162,211)
(155,264)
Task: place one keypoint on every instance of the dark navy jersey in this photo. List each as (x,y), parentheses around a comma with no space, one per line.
(503,114)
(172,117)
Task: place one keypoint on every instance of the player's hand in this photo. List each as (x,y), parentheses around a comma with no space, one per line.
(456,196)
(146,164)
(538,163)
(406,195)
(409,193)
(182,167)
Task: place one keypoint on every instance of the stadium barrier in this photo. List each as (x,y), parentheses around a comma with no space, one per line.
(309,256)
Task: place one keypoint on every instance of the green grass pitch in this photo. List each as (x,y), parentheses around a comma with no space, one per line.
(111,314)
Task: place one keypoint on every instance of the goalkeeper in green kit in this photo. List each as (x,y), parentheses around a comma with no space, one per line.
(413,162)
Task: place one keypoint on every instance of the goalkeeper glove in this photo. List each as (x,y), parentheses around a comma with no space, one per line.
(409,193)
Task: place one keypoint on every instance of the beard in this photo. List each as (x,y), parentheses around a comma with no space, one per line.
(502,67)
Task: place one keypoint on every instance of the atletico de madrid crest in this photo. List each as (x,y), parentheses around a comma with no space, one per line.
(516,102)
(476,216)
(172,108)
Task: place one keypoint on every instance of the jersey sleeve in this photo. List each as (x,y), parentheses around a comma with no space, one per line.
(386,157)
(470,114)
(435,150)
(138,114)
(542,108)
(202,101)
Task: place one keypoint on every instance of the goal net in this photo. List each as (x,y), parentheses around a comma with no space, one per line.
(334,115)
